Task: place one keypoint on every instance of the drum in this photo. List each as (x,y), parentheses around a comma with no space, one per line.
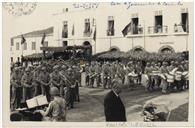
(178,76)
(170,78)
(144,80)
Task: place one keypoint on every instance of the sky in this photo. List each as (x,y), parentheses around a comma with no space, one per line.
(40,18)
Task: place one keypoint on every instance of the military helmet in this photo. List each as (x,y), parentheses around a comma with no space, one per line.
(54,91)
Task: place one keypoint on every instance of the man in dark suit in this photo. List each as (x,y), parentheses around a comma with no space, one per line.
(114,108)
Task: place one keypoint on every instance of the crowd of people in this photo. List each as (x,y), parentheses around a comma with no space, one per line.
(67,76)
(38,79)
(168,76)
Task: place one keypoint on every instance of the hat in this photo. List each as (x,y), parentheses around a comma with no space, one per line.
(54,91)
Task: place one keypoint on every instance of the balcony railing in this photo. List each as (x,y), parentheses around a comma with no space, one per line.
(157,29)
(87,34)
(110,32)
(178,28)
(136,30)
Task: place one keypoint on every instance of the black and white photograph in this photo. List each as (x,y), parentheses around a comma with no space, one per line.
(98,62)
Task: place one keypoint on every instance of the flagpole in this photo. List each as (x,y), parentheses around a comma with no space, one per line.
(144,35)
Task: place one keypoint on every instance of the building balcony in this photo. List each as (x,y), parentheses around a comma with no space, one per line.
(180,29)
(158,30)
(110,32)
(137,32)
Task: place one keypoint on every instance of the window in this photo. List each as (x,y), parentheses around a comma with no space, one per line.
(183,26)
(184,21)
(33,45)
(135,22)
(65,43)
(110,31)
(25,46)
(158,24)
(45,44)
(87,29)
(65,30)
(17,46)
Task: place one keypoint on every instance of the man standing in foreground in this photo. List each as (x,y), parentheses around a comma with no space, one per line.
(114,108)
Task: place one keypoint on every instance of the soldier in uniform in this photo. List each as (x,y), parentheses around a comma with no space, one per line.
(92,75)
(87,74)
(148,71)
(44,80)
(70,86)
(26,82)
(98,74)
(55,77)
(16,89)
(164,83)
(170,69)
(106,75)
(36,83)
(138,69)
(179,83)
(186,68)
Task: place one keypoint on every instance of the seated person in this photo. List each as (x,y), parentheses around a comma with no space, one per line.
(56,110)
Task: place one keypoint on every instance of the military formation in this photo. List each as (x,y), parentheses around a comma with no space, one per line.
(167,76)
(28,82)
(38,79)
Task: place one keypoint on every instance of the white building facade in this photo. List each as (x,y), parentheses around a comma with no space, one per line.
(32,44)
(159,28)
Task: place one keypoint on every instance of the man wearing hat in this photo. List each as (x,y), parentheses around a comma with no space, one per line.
(56,110)
(55,77)
(26,82)
(114,108)
(16,88)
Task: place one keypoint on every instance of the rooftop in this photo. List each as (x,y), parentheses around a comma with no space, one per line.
(37,33)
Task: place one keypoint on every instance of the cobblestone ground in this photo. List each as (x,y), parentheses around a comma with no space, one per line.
(90,108)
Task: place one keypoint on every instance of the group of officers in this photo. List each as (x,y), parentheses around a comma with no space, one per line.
(168,76)
(38,79)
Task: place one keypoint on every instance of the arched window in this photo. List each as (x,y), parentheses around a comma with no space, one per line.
(138,49)
(114,48)
(86,43)
(166,49)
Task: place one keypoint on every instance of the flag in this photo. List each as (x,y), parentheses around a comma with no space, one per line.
(23,40)
(94,34)
(73,30)
(43,38)
(126,29)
